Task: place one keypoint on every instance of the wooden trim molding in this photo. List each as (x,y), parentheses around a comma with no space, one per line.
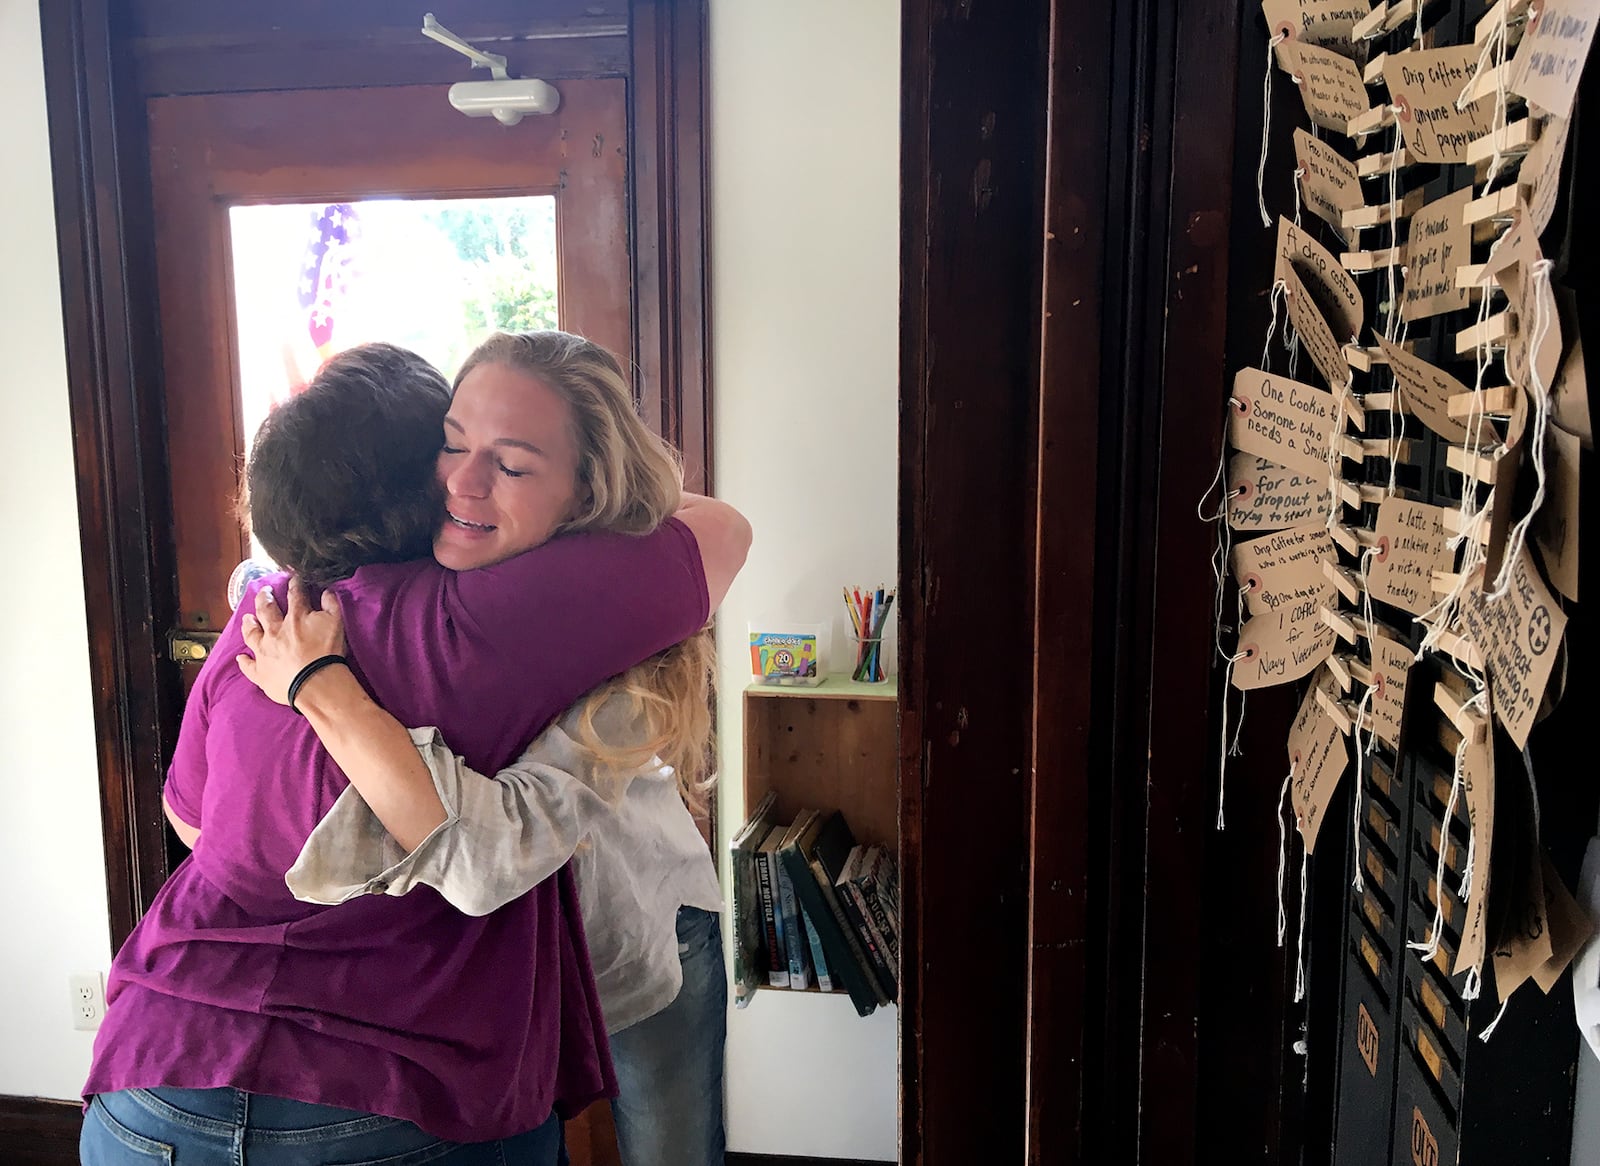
(35,1131)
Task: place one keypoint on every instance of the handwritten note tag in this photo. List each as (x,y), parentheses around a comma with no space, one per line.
(1506,467)
(1535,349)
(1329,184)
(1319,754)
(1325,352)
(1274,497)
(1425,85)
(1440,242)
(1555,529)
(1325,23)
(1426,391)
(1280,419)
(1570,928)
(1550,59)
(1477,786)
(1569,400)
(1334,288)
(1281,571)
(1519,635)
(1541,171)
(1391,670)
(1412,545)
(1281,646)
(1330,85)
(1526,945)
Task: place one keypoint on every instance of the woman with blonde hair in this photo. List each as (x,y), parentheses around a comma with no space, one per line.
(614,784)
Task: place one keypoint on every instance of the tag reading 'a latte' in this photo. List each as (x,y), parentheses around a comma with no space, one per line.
(1267,496)
(1278,571)
(1281,419)
(1424,84)
(1412,545)
(1440,242)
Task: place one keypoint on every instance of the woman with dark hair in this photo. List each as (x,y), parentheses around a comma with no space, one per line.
(244,1024)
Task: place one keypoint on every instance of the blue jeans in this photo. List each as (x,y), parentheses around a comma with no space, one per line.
(228,1127)
(668,1110)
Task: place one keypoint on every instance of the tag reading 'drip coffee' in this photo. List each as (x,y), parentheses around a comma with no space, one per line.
(1280,570)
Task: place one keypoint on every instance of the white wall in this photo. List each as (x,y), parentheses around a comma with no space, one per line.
(805,196)
(53,907)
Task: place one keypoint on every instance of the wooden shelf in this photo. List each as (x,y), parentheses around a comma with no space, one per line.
(832,747)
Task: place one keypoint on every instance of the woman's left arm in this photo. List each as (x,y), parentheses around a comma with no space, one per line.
(374,750)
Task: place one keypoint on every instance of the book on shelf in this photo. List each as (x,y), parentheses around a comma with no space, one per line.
(795,942)
(866,915)
(819,959)
(767,887)
(819,849)
(749,927)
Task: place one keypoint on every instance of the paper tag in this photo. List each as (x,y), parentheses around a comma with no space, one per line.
(1391,670)
(1569,400)
(1550,59)
(1541,171)
(1569,925)
(1425,84)
(1330,85)
(1333,288)
(1329,185)
(1274,497)
(1477,784)
(1326,23)
(1425,390)
(1325,352)
(1281,646)
(1319,754)
(1538,323)
(1526,946)
(1281,420)
(1440,242)
(1412,545)
(1506,468)
(1280,571)
(1556,526)
(1519,635)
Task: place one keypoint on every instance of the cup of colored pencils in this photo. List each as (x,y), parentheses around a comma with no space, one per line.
(869,612)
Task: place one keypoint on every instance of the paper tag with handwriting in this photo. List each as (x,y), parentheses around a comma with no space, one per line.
(1329,184)
(1391,670)
(1570,928)
(1440,241)
(1319,755)
(1279,571)
(1477,786)
(1425,84)
(1412,545)
(1519,635)
(1541,171)
(1507,466)
(1325,23)
(1535,348)
(1281,646)
(1425,391)
(1526,945)
(1555,528)
(1281,419)
(1550,58)
(1330,85)
(1333,288)
(1569,400)
(1274,497)
(1325,352)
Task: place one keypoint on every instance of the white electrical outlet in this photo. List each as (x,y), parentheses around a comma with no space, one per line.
(88,1000)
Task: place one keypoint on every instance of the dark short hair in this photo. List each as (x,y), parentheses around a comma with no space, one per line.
(342,474)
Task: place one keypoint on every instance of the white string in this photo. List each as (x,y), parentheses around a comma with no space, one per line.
(1238,728)
(1280,293)
(1283,850)
(1495,1023)
(1540,275)
(1397,427)
(1472,986)
(1494,45)
(1417,34)
(1299,176)
(1358,789)
(1266,130)
(1335,454)
(1392,314)
(1429,947)
(1300,941)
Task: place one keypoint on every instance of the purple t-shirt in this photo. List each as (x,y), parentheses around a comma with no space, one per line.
(392,1005)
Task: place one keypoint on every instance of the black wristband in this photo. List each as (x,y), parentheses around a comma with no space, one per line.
(308,672)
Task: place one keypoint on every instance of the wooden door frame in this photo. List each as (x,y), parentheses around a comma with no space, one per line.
(95,94)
